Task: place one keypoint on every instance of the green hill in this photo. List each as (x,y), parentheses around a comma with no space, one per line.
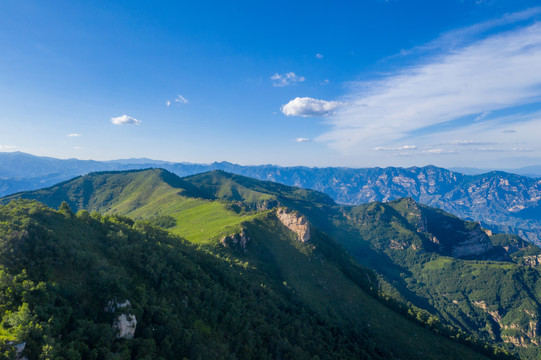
(274,237)
(150,194)
(64,280)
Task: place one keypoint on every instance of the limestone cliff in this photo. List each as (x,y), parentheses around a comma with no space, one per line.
(295,222)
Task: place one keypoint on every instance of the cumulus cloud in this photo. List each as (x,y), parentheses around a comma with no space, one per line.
(455,89)
(307,107)
(74,135)
(302,139)
(319,56)
(168,103)
(286,79)
(125,120)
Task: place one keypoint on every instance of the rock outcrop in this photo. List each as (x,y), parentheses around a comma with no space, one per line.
(532,260)
(125,323)
(522,336)
(236,240)
(295,222)
(19,348)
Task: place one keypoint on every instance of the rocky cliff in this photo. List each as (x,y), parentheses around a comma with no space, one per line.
(295,222)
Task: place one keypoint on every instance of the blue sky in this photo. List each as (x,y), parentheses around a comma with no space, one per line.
(348,83)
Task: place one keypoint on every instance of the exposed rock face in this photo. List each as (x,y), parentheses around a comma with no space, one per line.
(19,348)
(532,260)
(240,240)
(529,334)
(495,315)
(523,341)
(515,340)
(476,243)
(295,222)
(124,323)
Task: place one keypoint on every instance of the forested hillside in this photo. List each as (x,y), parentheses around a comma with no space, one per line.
(429,265)
(105,287)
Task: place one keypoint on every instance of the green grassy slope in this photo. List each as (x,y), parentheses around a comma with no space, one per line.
(145,194)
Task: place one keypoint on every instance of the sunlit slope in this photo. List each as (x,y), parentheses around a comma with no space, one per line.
(144,194)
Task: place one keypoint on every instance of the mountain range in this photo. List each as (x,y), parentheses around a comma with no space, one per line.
(500,201)
(210,266)
(453,276)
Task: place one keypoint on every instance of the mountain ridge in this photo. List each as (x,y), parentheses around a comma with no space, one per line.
(317,272)
(497,207)
(402,241)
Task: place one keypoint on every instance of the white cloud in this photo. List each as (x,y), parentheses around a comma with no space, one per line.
(469,143)
(8,148)
(74,135)
(299,140)
(286,79)
(125,120)
(462,142)
(482,116)
(499,72)
(307,106)
(325,82)
(181,99)
(319,56)
(399,148)
(439,151)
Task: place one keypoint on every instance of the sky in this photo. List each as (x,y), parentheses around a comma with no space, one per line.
(453,83)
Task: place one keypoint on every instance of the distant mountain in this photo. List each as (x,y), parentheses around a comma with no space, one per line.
(261,280)
(500,201)
(530,171)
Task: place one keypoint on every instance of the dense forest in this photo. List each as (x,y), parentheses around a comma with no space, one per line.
(60,270)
